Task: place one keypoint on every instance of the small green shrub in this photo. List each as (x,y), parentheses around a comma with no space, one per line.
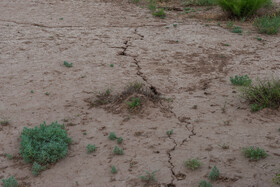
(45,144)
(10,182)
(135,102)
(240,80)
(149,177)
(118,151)
(169,133)
(276,179)
(204,183)
(214,174)
(241,8)
(159,13)
(9,156)
(68,65)
(192,164)
(267,24)
(37,168)
(119,140)
(114,170)
(265,94)
(254,153)
(237,29)
(91,148)
(152,5)
(112,136)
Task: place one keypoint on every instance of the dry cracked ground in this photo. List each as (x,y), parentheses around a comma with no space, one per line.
(189,65)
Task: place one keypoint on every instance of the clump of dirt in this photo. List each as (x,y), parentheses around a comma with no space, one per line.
(133,99)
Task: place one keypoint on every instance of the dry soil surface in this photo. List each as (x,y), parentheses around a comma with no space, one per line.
(190,65)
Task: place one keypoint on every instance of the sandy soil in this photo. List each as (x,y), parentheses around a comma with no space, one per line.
(189,64)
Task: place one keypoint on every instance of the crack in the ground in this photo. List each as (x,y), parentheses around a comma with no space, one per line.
(172,166)
(193,134)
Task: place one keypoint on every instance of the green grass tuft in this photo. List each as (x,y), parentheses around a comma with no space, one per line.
(204,183)
(214,174)
(192,164)
(240,80)
(37,168)
(254,153)
(135,102)
(267,24)
(159,13)
(118,151)
(241,8)
(68,65)
(112,136)
(114,170)
(264,94)
(91,148)
(149,177)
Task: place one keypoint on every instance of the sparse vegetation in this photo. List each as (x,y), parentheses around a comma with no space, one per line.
(45,144)
(214,174)
(10,182)
(67,64)
(112,136)
(240,80)
(159,13)
(268,24)
(276,179)
(254,153)
(118,151)
(119,140)
(169,133)
(264,94)
(241,8)
(9,156)
(204,183)
(134,103)
(192,164)
(200,2)
(114,170)
(149,177)
(237,29)
(91,148)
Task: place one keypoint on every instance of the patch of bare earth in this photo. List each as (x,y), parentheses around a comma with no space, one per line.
(186,65)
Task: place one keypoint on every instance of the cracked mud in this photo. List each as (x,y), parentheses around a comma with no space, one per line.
(188,66)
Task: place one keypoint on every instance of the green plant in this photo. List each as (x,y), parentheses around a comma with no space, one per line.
(200,2)
(268,24)
(241,8)
(169,133)
(229,24)
(175,25)
(152,5)
(47,93)
(120,140)
(91,148)
(276,179)
(214,174)
(149,177)
(37,168)
(192,164)
(204,183)
(254,153)
(68,65)
(112,136)
(240,80)
(135,102)
(45,144)
(10,182)
(114,170)
(111,65)
(262,95)
(32,91)
(159,13)
(259,39)
(236,29)
(9,156)
(118,151)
